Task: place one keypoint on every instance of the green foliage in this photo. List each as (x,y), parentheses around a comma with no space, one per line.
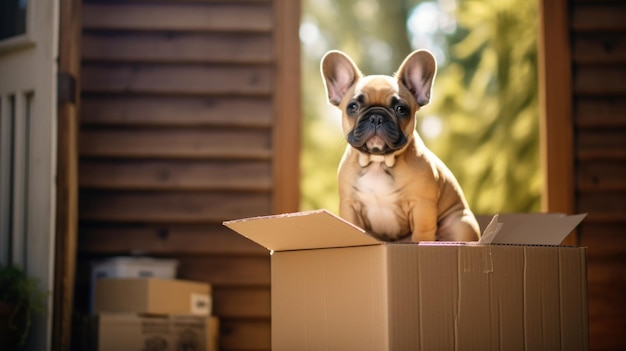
(487,98)
(23,295)
(485,95)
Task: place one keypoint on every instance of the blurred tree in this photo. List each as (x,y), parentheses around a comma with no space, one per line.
(485,93)
(488,100)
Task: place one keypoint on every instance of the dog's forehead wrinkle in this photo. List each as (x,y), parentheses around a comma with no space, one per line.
(377,83)
(376,88)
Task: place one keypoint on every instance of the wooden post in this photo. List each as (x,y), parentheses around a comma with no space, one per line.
(67,173)
(287,108)
(556,111)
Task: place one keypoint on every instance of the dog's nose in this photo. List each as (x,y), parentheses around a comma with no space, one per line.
(376,119)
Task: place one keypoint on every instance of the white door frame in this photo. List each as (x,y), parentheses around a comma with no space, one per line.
(28,121)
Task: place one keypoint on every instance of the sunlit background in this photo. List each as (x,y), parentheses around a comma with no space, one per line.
(483,117)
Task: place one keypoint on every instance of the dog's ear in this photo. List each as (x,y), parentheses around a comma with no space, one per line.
(417,74)
(339,73)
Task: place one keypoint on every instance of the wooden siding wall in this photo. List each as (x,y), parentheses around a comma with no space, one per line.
(598,36)
(176,136)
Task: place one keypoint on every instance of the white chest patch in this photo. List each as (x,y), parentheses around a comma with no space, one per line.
(376,192)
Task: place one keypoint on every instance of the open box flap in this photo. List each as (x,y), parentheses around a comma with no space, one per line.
(529,228)
(301,230)
(321,229)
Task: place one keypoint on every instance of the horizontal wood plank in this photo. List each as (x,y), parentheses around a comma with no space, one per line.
(607,139)
(600,112)
(166,239)
(245,335)
(607,323)
(599,16)
(576,2)
(602,202)
(598,217)
(175,111)
(607,333)
(599,48)
(176,79)
(606,240)
(227,271)
(613,154)
(223,17)
(601,175)
(181,144)
(176,175)
(229,302)
(177,47)
(606,300)
(606,271)
(600,80)
(170,207)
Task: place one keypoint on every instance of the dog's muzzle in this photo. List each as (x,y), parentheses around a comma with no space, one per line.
(377,133)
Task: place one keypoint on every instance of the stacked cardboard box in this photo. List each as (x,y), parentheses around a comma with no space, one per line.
(153,296)
(131,267)
(334,287)
(153,314)
(134,332)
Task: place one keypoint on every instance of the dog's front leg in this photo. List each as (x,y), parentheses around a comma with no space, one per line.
(348,210)
(424,222)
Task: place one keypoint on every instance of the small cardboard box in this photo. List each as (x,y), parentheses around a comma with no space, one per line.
(152,295)
(132,332)
(336,288)
(130,267)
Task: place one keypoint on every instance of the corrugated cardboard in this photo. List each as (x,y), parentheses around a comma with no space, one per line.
(369,295)
(321,229)
(130,267)
(132,332)
(529,228)
(152,295)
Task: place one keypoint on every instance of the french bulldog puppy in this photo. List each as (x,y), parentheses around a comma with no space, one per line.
(390,184)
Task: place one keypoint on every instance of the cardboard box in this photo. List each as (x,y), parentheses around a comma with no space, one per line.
(132,332)
(153,295)
(336,288)
(131,267)
(134,267)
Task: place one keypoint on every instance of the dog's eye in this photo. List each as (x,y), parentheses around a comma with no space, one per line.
(352,108)
(402,111)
